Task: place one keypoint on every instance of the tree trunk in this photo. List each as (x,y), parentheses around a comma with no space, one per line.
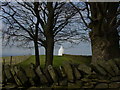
(37,59)
(49,49)
(49,42)
(105,45)
(104,35)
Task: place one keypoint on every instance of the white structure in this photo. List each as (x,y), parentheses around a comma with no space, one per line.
(61,51)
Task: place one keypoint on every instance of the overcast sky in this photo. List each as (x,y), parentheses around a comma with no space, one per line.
(84,48)
(0,38)
(81,49)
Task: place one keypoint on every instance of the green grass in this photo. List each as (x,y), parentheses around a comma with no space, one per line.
(15,59)
(79,59)
(58,60)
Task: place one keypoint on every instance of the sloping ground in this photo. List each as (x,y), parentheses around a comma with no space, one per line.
(77,59)
(14,59)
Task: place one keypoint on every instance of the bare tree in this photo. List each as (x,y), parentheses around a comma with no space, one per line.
(54,21)
(40,23)
(21,25)
(104,28)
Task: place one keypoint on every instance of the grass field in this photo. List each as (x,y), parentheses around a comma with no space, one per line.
(77,59)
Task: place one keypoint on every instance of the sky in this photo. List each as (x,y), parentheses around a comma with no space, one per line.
(84,48)
(62,0)
(0,38)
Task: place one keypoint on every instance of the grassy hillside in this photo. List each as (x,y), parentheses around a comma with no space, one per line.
(15,59)
(77,59)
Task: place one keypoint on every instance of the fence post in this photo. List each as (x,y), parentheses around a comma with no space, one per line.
(11,61)
(3,62)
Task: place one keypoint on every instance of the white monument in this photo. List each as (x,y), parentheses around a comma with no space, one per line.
(61,51)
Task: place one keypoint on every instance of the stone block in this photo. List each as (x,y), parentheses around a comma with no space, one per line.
(68,71)
(3,77)
(102,85)
(8,74)
(113,66)
(106,67)
(88,85)
(21,75)
(43,79)
(73,85)
(47,75)
(77,73)
(63,82)
(103,81)
(116,78)
(85,68)
(30,72)
(62,72)
(114,85)
(117,61)
(17,81)
(86,80)
(10,85)
(53,74)
(99,70)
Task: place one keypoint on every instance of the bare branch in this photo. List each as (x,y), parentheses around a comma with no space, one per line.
(80,14)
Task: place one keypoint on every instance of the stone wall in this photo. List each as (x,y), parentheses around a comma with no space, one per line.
(103,74)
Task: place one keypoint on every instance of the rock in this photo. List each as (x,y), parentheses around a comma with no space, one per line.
(94,80)
(79,83)
(1,85)
(47,75)
(62,72)
(116,78)
(86,80)
(43,79)
(73,85)
(93,83)
(68,71)
(77,73)
(99,70)
(21,75)
(30,72)
(63,82)
(85,68)
(106,67)
(92,76)
(17,81)
(10,85)
(102,85)
(100,81)
(88,85)
(103,81)
(113,66)
(8,74)
(117,61)
(53,74)
(3,77)
(114,85)
(54,85)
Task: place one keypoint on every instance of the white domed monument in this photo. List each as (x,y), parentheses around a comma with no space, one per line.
(61,51)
